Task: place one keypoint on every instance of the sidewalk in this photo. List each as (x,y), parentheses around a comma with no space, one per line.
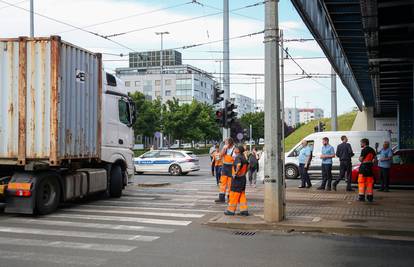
(309,210)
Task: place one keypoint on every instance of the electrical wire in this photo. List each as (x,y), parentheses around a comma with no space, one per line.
(17,3)
(238,14)
(182,20)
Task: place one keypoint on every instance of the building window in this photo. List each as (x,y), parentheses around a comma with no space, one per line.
(127,84)
(157,82)
(167,92)
(137,83)
(168,82)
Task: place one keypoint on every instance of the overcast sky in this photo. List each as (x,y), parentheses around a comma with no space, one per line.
(145,17)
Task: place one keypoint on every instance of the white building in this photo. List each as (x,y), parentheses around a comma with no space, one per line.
(260,105)
(308,114)
(244,104)
(183,82)
(292,117)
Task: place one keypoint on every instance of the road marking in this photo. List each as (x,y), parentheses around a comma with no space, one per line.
(62,244)
(91,225)
(58,259)
(151,203)
(121,219)
(49,232)
(92,205)
(161,214)
(177,199)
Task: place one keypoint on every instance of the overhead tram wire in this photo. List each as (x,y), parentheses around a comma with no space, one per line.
(18,3)
(130,16)
(183,20)
(216,8)
(70,25)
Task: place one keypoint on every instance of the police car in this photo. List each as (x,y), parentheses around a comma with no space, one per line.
(174,162)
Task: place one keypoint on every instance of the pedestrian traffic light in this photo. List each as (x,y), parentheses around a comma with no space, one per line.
(229,114)
(217,94)
(245,134)
(220,117)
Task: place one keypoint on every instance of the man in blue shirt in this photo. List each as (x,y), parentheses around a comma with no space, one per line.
(384,163)
(305,157)
(328,153)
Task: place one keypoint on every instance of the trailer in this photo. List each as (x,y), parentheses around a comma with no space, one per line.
(65,125)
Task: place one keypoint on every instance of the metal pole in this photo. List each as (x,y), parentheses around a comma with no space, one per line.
(334,110)
(282,88)
(251,131)
(274,210)
(296,110)
(161,81)
(31,18)
(226,55)
(255,94)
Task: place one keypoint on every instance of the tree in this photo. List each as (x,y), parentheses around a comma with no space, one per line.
(148,115)
(256,119)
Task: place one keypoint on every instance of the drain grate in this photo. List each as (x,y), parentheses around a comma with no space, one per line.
(245,233)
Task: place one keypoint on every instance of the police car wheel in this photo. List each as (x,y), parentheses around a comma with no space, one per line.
(175,170)
(291,172)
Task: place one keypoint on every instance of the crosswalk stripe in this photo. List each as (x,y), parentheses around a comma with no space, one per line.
(49,232)
(58,259)
(91,225)
(97,204)
(63,244)
(122,219)
(117,211)
(175,199)
(151,203)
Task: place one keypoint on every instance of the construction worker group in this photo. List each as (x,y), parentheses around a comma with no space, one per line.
(231,166)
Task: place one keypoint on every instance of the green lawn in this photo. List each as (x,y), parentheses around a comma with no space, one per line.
(345,122)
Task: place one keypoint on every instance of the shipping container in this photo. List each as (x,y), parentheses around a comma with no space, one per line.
(50,101)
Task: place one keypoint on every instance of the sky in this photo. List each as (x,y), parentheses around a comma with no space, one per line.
(188,24)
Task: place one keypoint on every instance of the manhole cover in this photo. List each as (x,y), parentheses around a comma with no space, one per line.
(245,233)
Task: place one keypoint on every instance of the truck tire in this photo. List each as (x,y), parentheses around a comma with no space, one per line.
(47,195)
(291,171)
(115,182)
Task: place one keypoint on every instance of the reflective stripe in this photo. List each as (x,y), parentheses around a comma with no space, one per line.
(19,186)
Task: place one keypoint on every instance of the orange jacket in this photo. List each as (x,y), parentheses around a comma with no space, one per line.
(217,159)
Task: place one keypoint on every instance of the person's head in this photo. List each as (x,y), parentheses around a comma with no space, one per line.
(230,141)
(239,150)
(386,144)
(217,146)
(344,138)
(325,141)
(254,150)
(364,142)
(245,147)
(304,143)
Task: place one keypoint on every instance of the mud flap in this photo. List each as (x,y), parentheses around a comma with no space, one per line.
(18,204)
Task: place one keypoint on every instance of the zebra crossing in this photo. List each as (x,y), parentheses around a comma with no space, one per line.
(91,233)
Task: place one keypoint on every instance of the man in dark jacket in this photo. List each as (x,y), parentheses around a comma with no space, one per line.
(366,176)
(344,153)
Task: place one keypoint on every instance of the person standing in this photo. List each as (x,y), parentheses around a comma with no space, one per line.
(344,153)
(366,176)
(238,184)
(384,163)
(305,157)
(253,167)
(211,151)
(227,169)
(217,163)
(328,153)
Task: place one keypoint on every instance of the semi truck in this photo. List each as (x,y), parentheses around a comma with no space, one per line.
(65,126)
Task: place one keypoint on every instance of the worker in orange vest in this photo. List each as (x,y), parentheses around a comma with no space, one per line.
(238,184)
(366,176)
(227,155)
(217,163)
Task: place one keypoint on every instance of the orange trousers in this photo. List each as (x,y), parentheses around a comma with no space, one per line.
(365,185)
(225,184)
(237,198)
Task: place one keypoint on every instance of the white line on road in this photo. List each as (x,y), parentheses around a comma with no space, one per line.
(117,211)
(91,225)
(121,219)
(62,244)
(92,205)
(49,232)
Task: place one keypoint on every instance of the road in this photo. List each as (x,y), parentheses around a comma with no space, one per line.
(164,227)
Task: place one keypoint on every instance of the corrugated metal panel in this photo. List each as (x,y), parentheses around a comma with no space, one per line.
(9,75)
(78,100)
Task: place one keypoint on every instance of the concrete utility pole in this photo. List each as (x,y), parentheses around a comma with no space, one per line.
(274,208)
(226,61)
(334,110)
(255,93)
(162,79)
(31,18)
(282,88)
(296,111)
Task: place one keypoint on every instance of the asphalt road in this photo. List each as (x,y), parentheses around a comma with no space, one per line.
(164,227)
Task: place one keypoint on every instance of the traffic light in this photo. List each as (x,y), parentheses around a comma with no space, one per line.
(246,134)
(321,126)
(229,114)
(220,117)
(217,94)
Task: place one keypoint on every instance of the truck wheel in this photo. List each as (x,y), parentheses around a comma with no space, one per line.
(115,181)
(175,170)
(291,172)
(47,195)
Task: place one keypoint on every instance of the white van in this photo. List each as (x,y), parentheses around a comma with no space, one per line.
(376,139)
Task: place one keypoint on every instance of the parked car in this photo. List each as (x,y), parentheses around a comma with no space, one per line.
(174,162)
(376,138)
(401,172)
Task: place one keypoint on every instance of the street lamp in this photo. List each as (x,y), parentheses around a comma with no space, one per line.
(161,34)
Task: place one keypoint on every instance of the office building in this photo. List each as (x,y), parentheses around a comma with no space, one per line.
(244,104)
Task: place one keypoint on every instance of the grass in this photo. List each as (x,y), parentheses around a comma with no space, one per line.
(345,122)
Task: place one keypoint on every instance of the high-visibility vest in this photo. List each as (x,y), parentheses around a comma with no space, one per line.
(228,159)
(218,161)
(243,169)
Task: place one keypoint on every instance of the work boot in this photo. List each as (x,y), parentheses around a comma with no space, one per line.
(370,198)
(334,186)
(244,213)
(361,198)
(320,188)
(350,190)
(309,186)
(229,213)
(221,199)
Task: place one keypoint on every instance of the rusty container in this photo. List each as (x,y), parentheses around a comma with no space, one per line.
(50,101)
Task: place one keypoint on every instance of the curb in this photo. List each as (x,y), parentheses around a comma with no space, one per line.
(289,228)
(153,185)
